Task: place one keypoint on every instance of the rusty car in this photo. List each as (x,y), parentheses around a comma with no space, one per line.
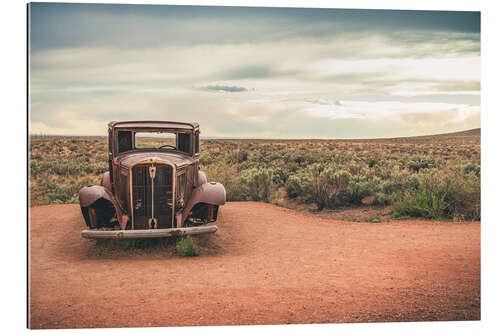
(152,191)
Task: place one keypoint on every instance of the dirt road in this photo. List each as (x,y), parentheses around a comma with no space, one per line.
(265,265)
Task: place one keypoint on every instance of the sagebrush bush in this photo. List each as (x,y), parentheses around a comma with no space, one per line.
(472,168)
(323,184)
(421,162)
(465,196)
(185,247)
(257,184)
(296,186)
(329,185)
(360,187)
(456,195)
(423,203)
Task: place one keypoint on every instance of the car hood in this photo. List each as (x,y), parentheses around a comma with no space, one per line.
(130,159)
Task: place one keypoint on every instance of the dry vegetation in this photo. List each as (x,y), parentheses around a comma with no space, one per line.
(436,177)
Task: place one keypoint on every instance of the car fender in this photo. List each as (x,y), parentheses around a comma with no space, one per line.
(210,193)
(90,194)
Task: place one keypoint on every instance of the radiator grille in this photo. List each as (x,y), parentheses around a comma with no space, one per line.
(143,196)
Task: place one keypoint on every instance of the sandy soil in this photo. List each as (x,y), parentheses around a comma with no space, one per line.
(265,265)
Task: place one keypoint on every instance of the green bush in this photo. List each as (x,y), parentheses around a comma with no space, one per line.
(423,203)
(238,156)
(185,247)
(472,168)
(421,163)
(465,196)
(257,184)
(453,196)
(295,186)
(280,176)
(360,187)
(324,185)
(329,185)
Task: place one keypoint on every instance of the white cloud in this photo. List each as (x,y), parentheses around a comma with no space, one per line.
(379,110)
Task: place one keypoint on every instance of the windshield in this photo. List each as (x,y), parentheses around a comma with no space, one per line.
(168,140)
(155,140)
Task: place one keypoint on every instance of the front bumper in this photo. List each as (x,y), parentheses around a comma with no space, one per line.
(149,233)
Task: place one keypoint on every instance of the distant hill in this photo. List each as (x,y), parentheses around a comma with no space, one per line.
(472,136)
(471,132)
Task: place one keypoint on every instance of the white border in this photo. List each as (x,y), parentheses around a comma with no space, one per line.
(13,197)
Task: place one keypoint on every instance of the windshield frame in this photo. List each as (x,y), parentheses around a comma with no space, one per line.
(136,130)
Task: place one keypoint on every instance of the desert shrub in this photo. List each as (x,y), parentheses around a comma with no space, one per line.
(280,176)
(453,196)
(384,171)
(464,196)
(360,187)
(424,203)
(35,168)
(238,156)
(412,182)
(356,168)
(259,156)
(320,178)
(394,187)
(428,200)
(296,186)
(205,158)
(55,192)
(185,247)
(419,163)
(472,168)
(324,185)
(372,161)
(257,184)
(384,199)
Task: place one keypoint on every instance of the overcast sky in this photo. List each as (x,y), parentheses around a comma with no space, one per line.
(254,72)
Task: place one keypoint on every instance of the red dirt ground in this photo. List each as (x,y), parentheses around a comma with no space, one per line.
(265,265)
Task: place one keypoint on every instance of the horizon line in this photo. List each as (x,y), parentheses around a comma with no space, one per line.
(254,138)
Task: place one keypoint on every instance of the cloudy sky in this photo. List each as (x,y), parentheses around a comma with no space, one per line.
(254,72)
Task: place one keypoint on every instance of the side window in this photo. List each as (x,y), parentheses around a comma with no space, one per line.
(124,141)
(197,142)
(184,142)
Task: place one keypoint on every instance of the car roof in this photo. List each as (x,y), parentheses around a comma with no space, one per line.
(152,124)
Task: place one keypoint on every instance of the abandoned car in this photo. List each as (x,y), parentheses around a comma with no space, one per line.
(154,187)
